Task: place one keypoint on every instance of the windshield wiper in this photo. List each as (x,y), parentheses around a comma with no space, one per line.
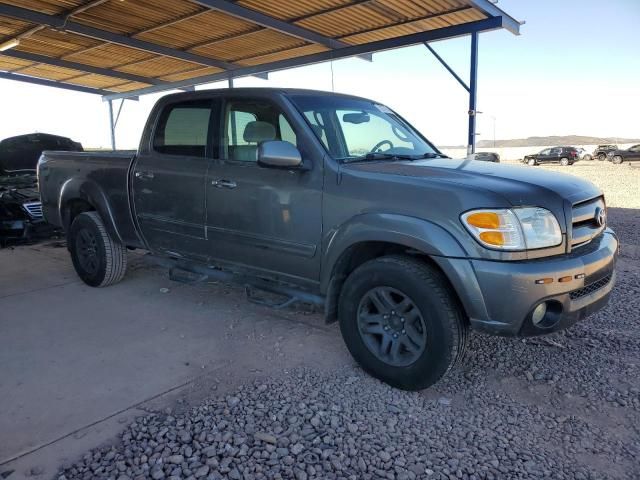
(383,156)
(434,155)
(392,156)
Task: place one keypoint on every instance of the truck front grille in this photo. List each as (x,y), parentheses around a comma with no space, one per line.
(591,288)
(588,221)
(34,209)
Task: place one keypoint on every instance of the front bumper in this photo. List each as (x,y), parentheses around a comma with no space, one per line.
(499,297)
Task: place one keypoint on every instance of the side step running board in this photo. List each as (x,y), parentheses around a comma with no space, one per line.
(184,272)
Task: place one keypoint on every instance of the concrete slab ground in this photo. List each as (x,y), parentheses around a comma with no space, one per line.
(76,361)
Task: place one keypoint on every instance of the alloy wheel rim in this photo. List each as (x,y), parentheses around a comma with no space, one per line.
(392,326)
(87,248)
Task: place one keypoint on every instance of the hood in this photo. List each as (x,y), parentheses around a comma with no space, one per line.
(520,186)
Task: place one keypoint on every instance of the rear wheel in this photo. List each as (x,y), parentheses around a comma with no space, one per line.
(617,159)
(401,321)
(564,162)
(602,157)
(588,157)
(97,258)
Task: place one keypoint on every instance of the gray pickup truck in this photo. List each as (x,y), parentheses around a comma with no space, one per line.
(338,201)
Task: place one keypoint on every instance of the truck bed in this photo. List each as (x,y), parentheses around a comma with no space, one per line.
(101,178)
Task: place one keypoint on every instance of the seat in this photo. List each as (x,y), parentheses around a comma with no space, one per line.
(254,133)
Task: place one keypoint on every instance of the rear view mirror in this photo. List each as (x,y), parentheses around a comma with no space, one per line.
(356,118)
(278,154)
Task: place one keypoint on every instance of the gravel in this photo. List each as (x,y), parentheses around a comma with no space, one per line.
(566,406)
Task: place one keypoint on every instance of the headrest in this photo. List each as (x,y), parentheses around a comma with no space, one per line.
(259,132)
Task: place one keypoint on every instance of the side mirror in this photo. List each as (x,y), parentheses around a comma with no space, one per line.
(278,154)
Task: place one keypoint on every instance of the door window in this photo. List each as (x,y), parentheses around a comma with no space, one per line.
(183,129)
(251,122)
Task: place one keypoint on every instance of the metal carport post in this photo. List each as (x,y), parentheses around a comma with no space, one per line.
(471,88)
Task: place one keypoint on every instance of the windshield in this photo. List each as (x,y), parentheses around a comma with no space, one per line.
(355,129)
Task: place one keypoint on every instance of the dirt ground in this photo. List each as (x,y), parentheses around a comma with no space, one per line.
(98,369)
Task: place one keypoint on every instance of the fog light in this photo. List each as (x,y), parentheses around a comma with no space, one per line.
(538,314)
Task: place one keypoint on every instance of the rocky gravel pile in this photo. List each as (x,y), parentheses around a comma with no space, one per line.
(565,406)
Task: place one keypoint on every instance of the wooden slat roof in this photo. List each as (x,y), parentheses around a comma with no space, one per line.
(195,38)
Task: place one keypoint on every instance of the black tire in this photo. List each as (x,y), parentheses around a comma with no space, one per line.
(565,162)
(617,160)
(602,157)
(98,259)
(445,328)
(588,158)
(532,162)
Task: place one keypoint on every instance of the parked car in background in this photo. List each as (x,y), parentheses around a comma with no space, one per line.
(485,157)
(602,151)
(21,153)
(321,198)
(583,154)
(631,154)
(563,155)
(20,208)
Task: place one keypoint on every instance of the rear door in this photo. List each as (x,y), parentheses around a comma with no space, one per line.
(264,218)
(555,154)
(168,179)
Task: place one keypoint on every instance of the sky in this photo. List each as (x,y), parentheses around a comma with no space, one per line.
(574,70)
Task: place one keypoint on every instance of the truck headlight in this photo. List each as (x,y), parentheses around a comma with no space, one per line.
(514,229)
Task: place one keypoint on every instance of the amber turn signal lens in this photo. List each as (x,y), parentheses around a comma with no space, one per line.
(484,220)
(492,238)
(565,279)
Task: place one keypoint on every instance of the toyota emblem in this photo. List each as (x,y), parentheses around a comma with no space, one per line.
(601,217)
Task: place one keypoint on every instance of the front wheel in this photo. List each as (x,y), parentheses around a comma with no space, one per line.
(532,162)
(401,321)
(602,157)
(588,158)
(98,259)
(617,159)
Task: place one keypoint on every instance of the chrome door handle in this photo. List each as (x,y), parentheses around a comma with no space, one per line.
(221,183)
(144,175)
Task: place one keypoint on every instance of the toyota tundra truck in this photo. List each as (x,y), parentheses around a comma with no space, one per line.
(338,201)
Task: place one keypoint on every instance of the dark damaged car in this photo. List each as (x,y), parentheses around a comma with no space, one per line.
(20,208)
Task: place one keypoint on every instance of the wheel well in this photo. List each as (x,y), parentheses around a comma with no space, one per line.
(357,255)
(73,208)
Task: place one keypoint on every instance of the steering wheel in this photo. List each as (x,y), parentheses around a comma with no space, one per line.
(379,145)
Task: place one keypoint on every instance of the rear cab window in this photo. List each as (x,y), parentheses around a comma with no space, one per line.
(184,128)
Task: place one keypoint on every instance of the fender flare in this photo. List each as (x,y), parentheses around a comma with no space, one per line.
(90,192)
(411,232)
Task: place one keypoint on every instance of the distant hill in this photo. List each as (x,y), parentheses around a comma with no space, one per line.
(568,140)
(555,140)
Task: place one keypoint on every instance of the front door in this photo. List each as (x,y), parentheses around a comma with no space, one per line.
(169,180)
(264,218)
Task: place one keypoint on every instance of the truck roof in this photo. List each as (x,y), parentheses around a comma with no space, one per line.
(261,91)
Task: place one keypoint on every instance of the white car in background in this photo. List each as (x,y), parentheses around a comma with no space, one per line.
(584,154)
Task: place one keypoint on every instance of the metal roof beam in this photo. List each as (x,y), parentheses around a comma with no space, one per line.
(66,25)
(253,16)
(52,83)
(272,23)
(491,23)
(488,8)
(32,57)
